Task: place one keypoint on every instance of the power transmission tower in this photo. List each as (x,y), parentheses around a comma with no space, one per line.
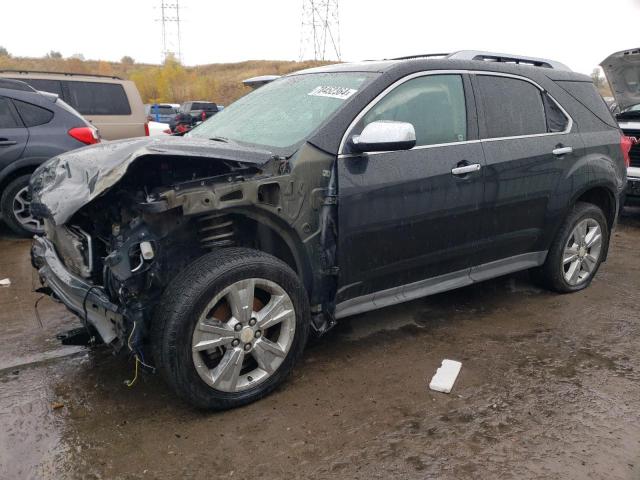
(320,30)
(170,18)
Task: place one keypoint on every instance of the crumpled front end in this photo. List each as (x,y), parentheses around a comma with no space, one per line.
(116,236)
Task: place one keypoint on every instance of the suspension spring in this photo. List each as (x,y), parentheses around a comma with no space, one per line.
(216,231)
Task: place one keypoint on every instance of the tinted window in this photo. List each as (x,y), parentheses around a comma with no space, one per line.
(7,119)
(33,115)
(94,98)
(164,110)
(511,107)
(52,86)
(556,120)
(204,106)
(433,104)
(586,94)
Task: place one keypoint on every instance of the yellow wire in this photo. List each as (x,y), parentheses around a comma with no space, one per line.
(131,383)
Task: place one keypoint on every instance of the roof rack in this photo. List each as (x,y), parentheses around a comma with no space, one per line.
(493,57)
(426,55)
(70,74)
(507,58)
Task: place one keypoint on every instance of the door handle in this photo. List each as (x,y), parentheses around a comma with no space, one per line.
(7,143)
(558,152)
(475,167)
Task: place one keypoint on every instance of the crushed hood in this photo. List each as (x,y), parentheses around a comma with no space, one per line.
(62,185)
(622,70)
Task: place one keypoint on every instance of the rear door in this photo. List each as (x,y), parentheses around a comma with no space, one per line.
(528,145)
(13,135)
(405,216)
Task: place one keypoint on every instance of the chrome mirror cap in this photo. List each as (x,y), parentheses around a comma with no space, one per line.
(385,135)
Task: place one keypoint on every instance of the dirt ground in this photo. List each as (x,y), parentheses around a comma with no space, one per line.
(549,388)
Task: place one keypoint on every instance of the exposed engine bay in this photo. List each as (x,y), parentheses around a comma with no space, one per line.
(128,242)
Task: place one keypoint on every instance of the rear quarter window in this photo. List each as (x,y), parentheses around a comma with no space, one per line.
(96,98)
(510,107)
(587,95)
(32,115)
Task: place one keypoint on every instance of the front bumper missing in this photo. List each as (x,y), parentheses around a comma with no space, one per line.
(76,293)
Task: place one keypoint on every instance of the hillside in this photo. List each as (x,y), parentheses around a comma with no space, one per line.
(171,82)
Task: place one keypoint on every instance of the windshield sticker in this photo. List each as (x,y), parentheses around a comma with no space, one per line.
(341,93)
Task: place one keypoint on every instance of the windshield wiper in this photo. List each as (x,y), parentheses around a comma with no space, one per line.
(220,139)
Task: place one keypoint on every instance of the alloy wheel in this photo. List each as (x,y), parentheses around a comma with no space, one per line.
(21,208)
(582,251)
(243,335)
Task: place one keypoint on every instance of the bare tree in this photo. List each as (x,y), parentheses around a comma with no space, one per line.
(598,79)
(53,54)
(4,52)
(127,60)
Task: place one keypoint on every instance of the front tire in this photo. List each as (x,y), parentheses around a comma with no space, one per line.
(230,328)
(577,251)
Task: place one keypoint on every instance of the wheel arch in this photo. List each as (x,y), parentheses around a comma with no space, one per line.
(268,231)
(25,166)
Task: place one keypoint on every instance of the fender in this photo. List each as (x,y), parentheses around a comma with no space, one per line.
(295,244)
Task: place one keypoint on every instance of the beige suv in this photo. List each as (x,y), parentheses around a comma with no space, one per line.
(111,104)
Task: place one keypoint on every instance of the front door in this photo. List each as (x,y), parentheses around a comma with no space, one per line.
(411,215)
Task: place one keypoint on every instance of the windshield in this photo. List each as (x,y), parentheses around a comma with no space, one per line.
(282,114)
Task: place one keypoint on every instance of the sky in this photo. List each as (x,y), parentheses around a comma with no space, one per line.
(579,33)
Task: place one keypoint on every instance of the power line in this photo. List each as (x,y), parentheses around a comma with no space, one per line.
(320,30)
(170,18)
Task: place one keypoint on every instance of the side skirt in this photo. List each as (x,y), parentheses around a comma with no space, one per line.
(441,283)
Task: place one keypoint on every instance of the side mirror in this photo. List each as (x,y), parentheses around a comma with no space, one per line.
(385,136)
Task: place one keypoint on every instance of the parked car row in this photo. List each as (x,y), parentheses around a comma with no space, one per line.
(107,107)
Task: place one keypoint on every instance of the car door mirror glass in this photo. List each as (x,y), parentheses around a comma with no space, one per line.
(385,136)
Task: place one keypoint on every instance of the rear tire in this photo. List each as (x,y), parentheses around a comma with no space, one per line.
(577,251)
(14,204)
(215,351)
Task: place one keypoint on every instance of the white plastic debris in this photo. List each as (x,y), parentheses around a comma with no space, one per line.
(147,250)
(445,376)
(5,282)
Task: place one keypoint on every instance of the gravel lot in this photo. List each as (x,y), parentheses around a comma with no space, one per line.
(549,388)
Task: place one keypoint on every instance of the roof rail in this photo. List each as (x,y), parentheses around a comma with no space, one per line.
(492,57)
(426,55)
(70,74)
(507,58)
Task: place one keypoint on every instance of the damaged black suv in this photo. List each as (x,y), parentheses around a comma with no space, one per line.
(327,193)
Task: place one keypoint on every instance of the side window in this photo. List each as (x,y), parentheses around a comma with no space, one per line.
(433,104)
(96,98)
(32,115)
(7,118)
(556,120)
(510,107)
